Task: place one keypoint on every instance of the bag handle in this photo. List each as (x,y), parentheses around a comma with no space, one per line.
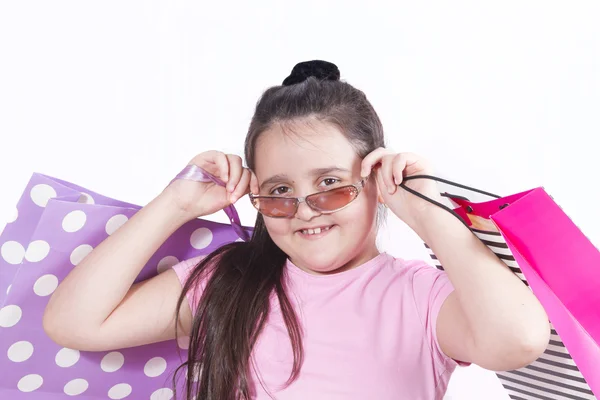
(445,194)
(195,173)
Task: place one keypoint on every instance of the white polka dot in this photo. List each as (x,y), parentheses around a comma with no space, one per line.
(115,223)
(239,240)
(183,342)
(13,217)
(29,383)
(67,357)
(37,251)
(80,253)
(74,221)
(45,285)
(10,316)
(162,394)
(119,391)
(12,252)
(20,351)
(85,198)
(76,387)
(40,194)
(112,362)
(166,263)
(155,367)
(8,289)
(201,238)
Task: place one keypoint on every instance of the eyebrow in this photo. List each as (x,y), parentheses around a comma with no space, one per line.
(312,172)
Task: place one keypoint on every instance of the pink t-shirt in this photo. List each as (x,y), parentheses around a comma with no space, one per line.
(369,333)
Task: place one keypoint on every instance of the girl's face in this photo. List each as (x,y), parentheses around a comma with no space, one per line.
(296,165)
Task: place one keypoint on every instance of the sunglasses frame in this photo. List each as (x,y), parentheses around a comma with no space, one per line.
(358,186)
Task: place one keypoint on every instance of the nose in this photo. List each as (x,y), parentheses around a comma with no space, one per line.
(305,213)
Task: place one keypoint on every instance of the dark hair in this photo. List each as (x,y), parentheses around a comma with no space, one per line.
(241,277)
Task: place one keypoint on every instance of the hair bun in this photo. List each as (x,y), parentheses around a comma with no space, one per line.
(322,70)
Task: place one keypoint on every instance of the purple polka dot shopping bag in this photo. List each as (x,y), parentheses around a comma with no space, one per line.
(55,225)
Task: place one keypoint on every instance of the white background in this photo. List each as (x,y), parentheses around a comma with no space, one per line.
(118,96)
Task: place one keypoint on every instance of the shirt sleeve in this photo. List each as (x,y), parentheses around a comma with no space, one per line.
(431,287)
(183,270)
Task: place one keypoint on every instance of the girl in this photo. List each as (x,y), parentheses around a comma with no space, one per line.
(309,308)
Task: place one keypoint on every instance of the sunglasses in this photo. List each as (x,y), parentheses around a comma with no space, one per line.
(325,202)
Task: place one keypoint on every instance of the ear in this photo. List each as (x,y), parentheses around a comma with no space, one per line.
(379,196)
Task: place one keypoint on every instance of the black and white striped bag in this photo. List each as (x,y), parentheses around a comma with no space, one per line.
(554,375)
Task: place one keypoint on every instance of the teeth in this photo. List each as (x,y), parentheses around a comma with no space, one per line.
(314,231)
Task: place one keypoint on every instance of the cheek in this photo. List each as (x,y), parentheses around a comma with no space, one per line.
(277,227)
(359,217)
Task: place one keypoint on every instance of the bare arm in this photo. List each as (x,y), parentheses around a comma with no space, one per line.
(491,319)
(96,307)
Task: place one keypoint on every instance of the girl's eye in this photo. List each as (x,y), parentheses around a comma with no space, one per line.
(330,181)
(279,191)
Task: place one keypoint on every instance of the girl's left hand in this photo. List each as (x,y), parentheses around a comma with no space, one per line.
(390,169)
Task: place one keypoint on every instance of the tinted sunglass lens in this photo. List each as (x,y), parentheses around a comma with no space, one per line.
(332,199)
(279,207)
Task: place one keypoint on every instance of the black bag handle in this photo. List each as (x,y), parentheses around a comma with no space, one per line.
(435,178)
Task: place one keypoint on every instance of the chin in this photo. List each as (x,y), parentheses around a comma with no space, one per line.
(320,263)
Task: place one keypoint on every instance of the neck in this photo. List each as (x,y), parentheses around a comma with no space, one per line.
(361,258)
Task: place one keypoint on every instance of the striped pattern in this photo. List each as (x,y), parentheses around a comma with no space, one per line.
(553,376)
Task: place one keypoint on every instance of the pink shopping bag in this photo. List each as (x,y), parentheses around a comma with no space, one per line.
(540,243)
(58,224)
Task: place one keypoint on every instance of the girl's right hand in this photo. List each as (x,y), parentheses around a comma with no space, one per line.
(198,199)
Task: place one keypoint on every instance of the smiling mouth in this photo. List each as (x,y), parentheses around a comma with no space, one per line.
(315,232)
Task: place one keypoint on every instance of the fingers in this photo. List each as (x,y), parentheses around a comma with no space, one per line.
(242,187)
(223,164)
(228,168)
(393,167)
(372,159)
(385,158)
(239,178)
(398,168)
(387,172)
(214,162)
(235,171)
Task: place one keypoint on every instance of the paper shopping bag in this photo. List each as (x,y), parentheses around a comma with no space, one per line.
(544,248)
(14,239)
(57,238)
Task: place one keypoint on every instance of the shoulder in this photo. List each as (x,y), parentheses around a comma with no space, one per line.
(428,285)
(184,268)
(429,288)
(417,273)
(416,282)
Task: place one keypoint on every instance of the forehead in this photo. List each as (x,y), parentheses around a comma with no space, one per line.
(300,147)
